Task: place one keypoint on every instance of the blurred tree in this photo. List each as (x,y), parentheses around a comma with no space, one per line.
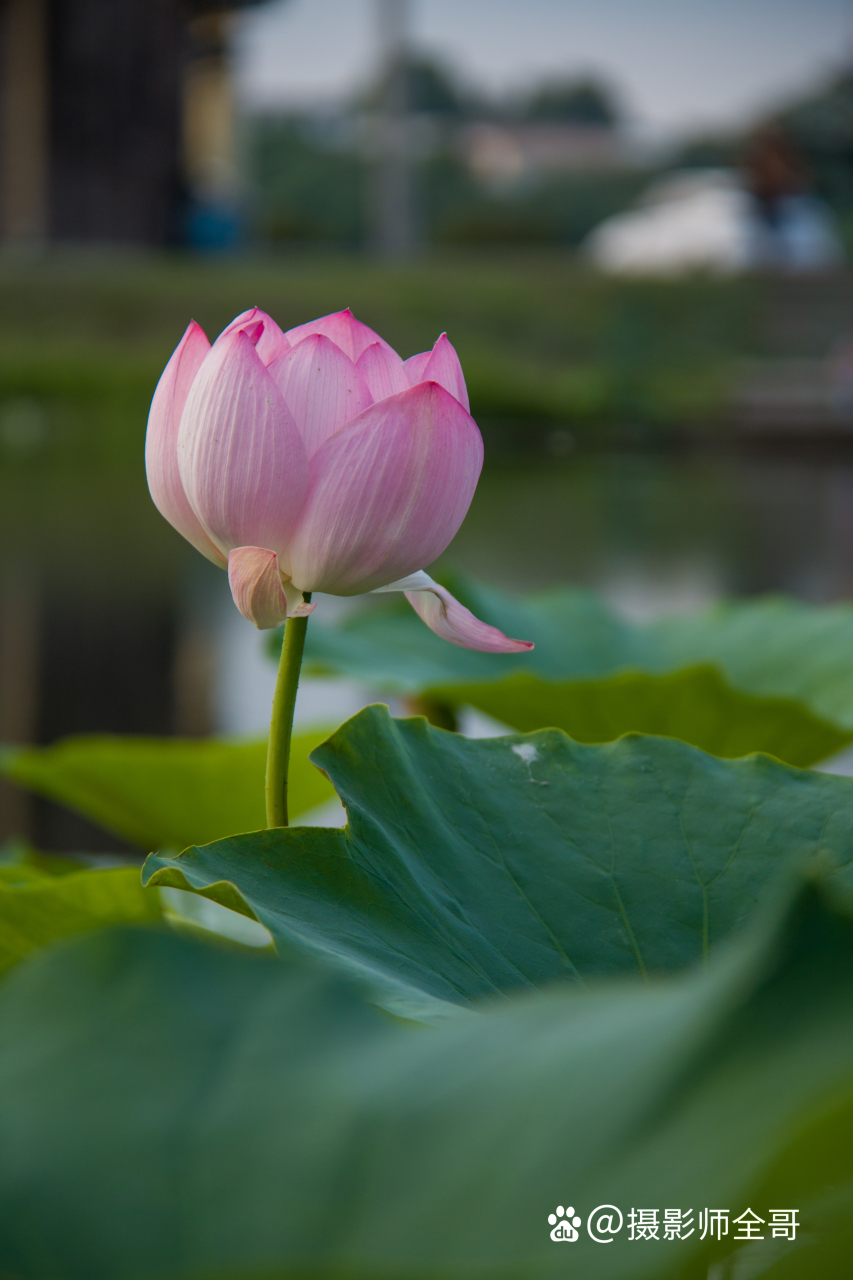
(556,209)
(581,102)
(708,152)
(432,90)
(306,186)
(822,124)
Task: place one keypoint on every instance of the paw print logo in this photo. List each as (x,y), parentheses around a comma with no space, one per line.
(565,1224)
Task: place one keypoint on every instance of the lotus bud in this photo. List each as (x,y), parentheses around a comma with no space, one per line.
(318,460)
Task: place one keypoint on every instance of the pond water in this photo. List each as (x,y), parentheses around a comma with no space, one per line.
(660,531)
(109,622)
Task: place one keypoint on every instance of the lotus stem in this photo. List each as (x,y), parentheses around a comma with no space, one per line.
(281,720)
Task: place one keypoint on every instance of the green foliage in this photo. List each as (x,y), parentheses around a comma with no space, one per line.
(431,89)
(784,682)
(535,900)
(220,1115)
(695,704)
(311,183)
(165,792)
(822,124)
(562,209)
(584,102)
(307,189)
(36,907)
(471,868)
(540,338)
(773,646)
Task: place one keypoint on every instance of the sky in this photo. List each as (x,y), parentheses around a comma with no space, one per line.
(679,65)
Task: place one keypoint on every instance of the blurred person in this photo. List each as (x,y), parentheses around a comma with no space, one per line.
(722,221)
(792,227)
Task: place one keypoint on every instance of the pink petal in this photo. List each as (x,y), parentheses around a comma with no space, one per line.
(255,583)
(383,371)
(443,367)
(452,621)
(415,366)
(322,389)
(161,441)
(343,329)
(387,493)
(269,341)
(241,458)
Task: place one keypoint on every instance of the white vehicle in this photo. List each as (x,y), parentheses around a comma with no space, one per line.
(707,220)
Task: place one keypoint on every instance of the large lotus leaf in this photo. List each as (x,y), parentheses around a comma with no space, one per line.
(470,868)
(695,705)
(35,908)
(772,647)
(165,792)
(170,1112)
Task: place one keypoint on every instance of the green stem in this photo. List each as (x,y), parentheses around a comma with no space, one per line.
(281,721)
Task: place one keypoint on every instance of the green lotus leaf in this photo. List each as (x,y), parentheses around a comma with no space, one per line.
(165,792)
(790,662)
(694,704)
(36,908)
(170,1110)
(773,646)
(471,868)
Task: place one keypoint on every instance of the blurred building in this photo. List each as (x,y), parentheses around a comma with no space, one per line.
(563,126)
(501,153)
(115,118)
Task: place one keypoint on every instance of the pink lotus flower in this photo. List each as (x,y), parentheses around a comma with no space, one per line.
(318,460)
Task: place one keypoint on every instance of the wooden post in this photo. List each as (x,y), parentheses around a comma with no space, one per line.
(23,120)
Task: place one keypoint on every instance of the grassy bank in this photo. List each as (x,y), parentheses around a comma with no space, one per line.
(542,339)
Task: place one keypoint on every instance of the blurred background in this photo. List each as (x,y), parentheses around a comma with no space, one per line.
(634,218)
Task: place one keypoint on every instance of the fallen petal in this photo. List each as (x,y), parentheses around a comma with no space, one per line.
(255,582)
(161,441)
(343,329)
(383,370)
(322,388)
(268,341)
(241,458)
(449,619)
(387,493)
